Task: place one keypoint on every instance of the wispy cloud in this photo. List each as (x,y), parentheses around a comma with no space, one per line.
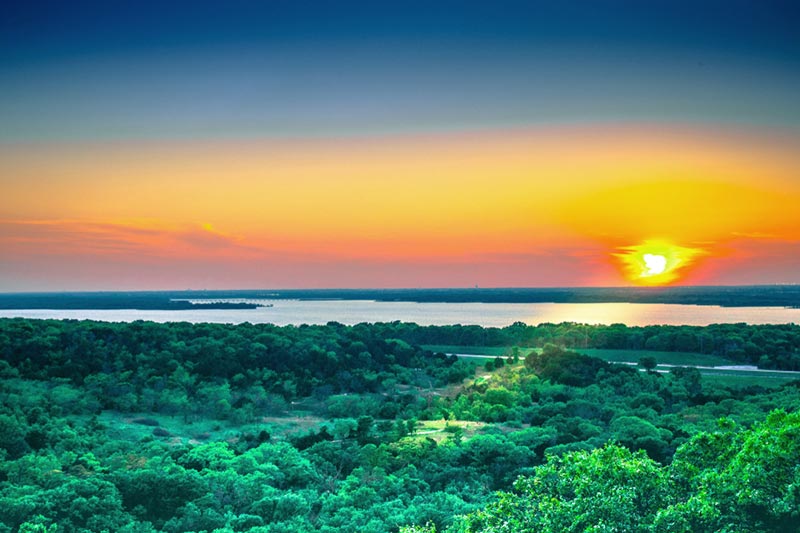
(755,235)
(56,237)
(204,236)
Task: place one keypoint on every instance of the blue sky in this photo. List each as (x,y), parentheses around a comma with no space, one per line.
(130,70)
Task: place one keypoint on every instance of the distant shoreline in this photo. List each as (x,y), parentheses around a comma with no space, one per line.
(724,296)
(113,302)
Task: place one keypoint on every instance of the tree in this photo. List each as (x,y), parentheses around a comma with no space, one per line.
(648,362)
(607,489)
(12,437)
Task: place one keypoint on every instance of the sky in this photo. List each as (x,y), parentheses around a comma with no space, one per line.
(294,144)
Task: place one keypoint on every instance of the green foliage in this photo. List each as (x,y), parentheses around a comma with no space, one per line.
(215,370)
(729,480)
(565,366)
(608,489)
(748,478)
(648,362)
(144,428)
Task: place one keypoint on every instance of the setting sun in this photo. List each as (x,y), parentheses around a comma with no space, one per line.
(656,262)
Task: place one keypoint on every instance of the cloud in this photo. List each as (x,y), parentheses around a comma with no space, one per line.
(205,236)
(65,237)
(754,235)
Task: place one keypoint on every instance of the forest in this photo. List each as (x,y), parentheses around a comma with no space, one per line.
(146,427)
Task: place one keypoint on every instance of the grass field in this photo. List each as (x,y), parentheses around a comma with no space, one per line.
(440,430)
(747,379)
(663,358)
(623,356)
(730,378)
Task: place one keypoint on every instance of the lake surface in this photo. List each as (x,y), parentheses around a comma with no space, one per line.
(296,312)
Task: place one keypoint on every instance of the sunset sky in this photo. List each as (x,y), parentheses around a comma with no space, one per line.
(290,144)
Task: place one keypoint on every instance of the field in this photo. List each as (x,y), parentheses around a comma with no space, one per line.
(441,430)
(747,378)
(666,361)
(663,358)
(720,376)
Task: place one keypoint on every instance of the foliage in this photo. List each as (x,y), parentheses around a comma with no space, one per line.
(730,480)
(146,427)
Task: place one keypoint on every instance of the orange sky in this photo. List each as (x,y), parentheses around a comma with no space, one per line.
(547,206)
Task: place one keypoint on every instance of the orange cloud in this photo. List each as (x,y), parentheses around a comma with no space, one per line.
(85,237)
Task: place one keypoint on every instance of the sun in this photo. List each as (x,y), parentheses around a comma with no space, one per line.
(655,262)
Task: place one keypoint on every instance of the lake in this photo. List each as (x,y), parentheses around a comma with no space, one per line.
(286,312)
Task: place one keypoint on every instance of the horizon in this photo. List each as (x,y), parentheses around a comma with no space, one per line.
(654,288)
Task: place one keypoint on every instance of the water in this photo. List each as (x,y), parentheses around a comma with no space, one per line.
(286,312)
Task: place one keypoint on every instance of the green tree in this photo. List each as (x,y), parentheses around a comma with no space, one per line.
(648,362)
(608,489)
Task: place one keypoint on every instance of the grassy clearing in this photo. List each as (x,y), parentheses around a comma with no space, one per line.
(441,430)
(663,358)
(727,378)
(740,378)
(135,427)
(625,356)
(747,379)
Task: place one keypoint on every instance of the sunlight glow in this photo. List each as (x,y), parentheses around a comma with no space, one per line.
(656,262)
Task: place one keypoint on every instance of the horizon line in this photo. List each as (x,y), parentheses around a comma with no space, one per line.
(295,289)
